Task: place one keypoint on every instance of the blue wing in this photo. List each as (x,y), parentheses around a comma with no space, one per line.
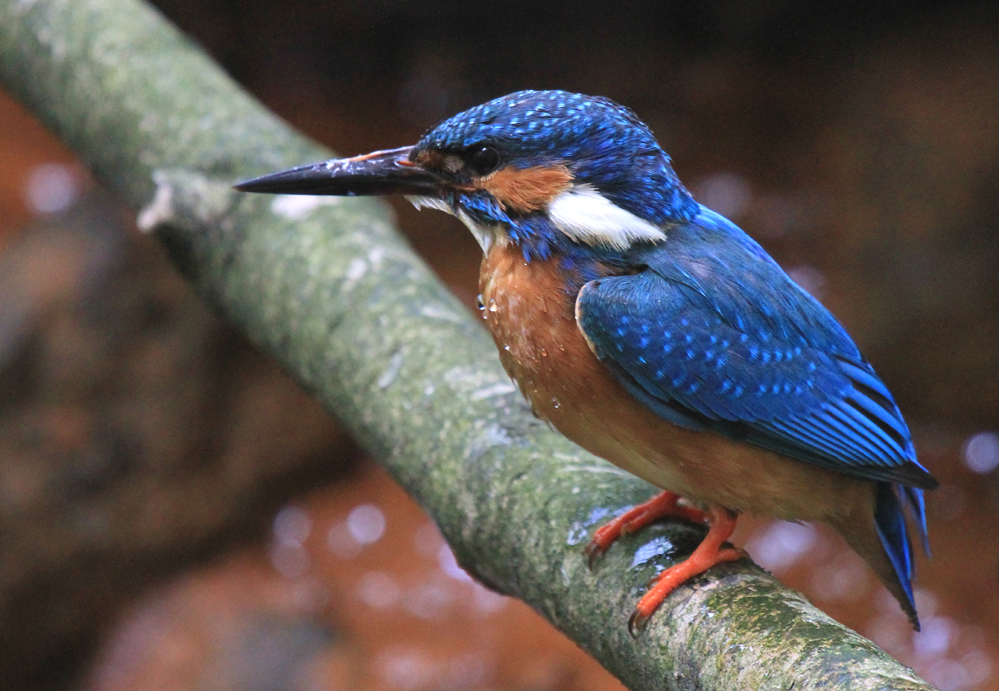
(712,334)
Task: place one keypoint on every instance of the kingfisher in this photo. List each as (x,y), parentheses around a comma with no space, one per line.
(655,333)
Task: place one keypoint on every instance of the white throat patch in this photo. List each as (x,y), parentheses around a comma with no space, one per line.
(486,236)
(586,216)
(581,213)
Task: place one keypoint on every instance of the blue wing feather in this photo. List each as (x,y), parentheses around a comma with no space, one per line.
(889,522)
(712,334)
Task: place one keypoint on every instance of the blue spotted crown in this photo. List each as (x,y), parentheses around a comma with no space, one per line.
(557,123)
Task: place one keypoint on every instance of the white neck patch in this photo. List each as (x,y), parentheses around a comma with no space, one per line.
(586,216)
(581,213)
(486,236)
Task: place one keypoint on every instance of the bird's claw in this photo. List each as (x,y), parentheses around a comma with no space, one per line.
(637,622)
(593,552)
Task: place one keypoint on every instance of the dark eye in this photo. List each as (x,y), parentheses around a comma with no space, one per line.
(484,160)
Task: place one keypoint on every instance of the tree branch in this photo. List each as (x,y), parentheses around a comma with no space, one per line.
(332,291)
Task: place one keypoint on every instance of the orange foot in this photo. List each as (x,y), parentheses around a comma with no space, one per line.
(660,506)
(709,553)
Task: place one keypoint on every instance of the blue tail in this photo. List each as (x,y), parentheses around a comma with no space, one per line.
(889,520)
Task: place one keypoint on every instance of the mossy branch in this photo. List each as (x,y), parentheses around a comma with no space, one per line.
(332,291)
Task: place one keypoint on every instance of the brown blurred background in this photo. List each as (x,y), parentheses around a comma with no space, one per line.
(176,514)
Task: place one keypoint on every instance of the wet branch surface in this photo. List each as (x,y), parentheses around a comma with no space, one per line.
(331,290)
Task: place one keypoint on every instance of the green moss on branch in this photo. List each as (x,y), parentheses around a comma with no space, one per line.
(334,293)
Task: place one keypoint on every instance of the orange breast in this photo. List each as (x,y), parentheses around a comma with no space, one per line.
(531,314)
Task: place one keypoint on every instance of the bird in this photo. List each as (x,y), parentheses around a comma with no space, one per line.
(655,333)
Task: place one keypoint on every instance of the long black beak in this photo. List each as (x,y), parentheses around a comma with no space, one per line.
(380,172)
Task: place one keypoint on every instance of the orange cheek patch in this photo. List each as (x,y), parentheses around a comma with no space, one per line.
(527,189)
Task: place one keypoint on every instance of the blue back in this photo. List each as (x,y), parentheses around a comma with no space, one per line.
(711,334)
(703,327)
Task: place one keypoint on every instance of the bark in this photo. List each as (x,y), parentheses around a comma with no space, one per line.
(139,435)
(332,291)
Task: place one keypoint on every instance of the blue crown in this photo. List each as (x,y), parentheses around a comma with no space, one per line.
(604,143)
(557,123)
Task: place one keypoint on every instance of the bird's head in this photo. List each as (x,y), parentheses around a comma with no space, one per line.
(546,170)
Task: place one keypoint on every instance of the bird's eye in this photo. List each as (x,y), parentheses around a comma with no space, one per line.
(484,160)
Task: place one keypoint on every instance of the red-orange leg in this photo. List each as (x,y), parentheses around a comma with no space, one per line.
(709,553)
(660,506)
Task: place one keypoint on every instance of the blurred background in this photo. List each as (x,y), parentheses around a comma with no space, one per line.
(176,514)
